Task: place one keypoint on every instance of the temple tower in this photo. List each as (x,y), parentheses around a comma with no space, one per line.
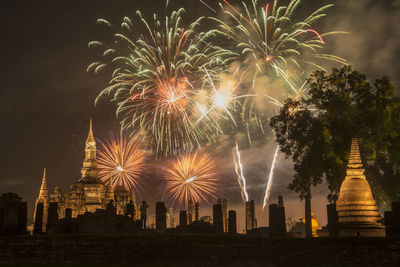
(43,198)
(356,207)
(93,191)
(89,170)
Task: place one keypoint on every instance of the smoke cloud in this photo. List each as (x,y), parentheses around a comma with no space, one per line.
(373,43)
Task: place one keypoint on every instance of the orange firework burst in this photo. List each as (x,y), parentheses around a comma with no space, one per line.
(123,160)
(191,176)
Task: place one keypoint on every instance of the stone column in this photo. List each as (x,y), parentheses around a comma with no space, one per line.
(182,219)
(217,218)
(161,216)
(232,222)
(22,218)
(250,216)
(68,221)
(392,221)
(277,223)
(52,216)
(333,220)
(38,226)
(190,211)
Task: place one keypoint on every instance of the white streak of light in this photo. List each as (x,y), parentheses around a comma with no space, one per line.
(270,178)
(241,173)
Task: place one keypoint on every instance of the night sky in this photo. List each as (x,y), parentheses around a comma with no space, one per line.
(47,97)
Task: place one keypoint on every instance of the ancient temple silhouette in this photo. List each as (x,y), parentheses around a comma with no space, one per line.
(89,193)
(356,207)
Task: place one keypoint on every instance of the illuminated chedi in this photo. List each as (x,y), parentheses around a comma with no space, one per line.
(89,193)
(356,207)
(314,224)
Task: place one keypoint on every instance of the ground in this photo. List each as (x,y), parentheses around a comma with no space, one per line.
(196,250)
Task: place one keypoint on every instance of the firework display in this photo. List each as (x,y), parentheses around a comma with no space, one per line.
(123,160)
(273,40)
(156,75)
(178,86)
(190,176)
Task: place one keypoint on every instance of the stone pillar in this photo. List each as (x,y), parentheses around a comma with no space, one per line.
(277,222)
(232,222)
(392,221)
(250,216)
(333,220)
(68,221)
(161,216)
(282,217)
(224,205)
(22,218)
(182,219)
(396,218)
(190,211)
(389,223)
(217,218)
(38,226)
(197,211)
(52,216)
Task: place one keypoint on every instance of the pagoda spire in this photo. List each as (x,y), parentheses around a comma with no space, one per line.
(43,198)
(90,139)
(44,191)
(355,167)
(89,170)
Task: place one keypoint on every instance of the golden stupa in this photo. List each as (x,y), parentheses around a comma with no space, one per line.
(314,224)
(356,207)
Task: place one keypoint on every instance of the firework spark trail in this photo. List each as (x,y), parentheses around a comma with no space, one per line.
(208,6)
(241,178)
(238,175)
(270,178)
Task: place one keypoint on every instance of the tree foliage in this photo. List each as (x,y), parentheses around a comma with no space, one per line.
(316,132)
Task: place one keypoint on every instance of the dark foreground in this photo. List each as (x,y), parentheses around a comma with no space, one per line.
(196,250)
